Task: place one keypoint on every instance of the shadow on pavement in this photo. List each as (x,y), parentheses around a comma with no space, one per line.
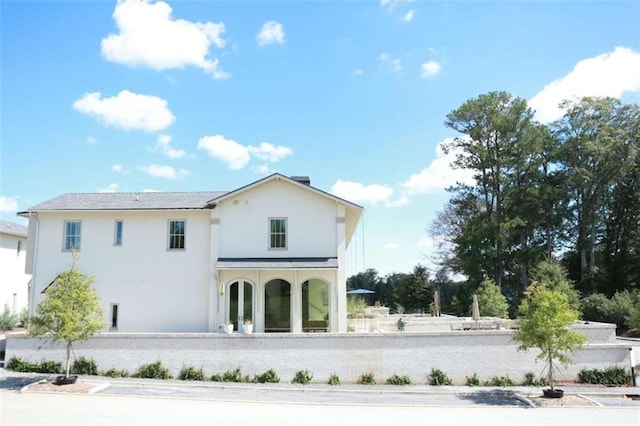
(494,398)
(17,383)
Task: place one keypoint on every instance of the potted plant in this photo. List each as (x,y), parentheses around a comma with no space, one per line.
(547,316)
(248,326)
(228,327)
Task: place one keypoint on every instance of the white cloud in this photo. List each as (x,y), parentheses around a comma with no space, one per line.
(362,194)
(127,110)
(268,152)
(430,69)
(148,36)
(357,72)
(8,204)
(150,190)
(391,246)
(166,172)
(438,175)
(426,242)
(609,74)
(384,56)
(271,33)
(91,140)
(397,65)
(112,187)
(162,145)
(237,156)
(117,168)
(231,152)
(408,16)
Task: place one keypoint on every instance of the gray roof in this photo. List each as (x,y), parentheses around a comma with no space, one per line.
(13,228)
(129,201)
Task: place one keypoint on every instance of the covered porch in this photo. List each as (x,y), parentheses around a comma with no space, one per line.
(299,295)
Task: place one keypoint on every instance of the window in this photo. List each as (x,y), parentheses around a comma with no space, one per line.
(278,233)
(176,234)
(72,231)
(114,316)
(19,247)
(117,237)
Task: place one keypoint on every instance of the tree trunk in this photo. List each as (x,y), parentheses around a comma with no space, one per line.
(68,364)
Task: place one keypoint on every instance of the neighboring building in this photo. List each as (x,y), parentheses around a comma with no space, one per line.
(272,252)
(14,282)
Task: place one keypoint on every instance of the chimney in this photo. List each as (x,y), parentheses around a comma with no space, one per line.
(305,180)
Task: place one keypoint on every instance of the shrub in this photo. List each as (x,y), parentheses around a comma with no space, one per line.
(53,367)
(530,379)
(112,372)
(21,366)
(618,310)
(334,380)
(230,376)
(8,319)
(268,376)
(399,380)
(302,377)
(367,379)
(85,366)
(23,318)
(608,376)
(474,380)
(154,370)
(501,381)
(191,373)
(438,377)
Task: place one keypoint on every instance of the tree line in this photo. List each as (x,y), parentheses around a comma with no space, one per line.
(566,192)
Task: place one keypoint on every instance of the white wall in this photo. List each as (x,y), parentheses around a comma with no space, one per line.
(157,289)
(244,222)
(458,354)
(14,283)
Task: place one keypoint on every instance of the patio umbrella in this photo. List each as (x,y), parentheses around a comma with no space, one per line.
(475,309)
(436,302)
(360,291)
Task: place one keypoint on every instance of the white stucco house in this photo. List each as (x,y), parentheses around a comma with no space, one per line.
(272,252)
(14,282)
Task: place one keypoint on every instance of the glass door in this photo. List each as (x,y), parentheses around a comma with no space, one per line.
(240,304)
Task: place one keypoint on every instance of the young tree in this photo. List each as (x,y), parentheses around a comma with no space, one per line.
(71,311)
(547,316)
(491,301)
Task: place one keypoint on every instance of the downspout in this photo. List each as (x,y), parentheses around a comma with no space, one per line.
(34,264)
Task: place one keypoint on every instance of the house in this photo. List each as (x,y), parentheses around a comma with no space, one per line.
(14,282)
(271,252)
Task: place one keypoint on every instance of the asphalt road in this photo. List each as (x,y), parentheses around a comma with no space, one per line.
(34,408)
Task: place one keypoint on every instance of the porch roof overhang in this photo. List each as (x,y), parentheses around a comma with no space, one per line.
(276,263)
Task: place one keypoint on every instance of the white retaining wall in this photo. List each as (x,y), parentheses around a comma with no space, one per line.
(458,354)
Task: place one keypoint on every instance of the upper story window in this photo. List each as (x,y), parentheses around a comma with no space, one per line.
(117,233)
(19,247)
(176,234)
(72,234)
(278,233)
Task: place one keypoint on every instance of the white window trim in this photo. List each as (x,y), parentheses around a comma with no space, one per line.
(169,235)
(64,236)
(286,234)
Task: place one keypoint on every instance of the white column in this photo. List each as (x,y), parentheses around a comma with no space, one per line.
(340,311)
(215,314)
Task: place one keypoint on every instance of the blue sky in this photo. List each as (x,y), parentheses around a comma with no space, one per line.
(207,95)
